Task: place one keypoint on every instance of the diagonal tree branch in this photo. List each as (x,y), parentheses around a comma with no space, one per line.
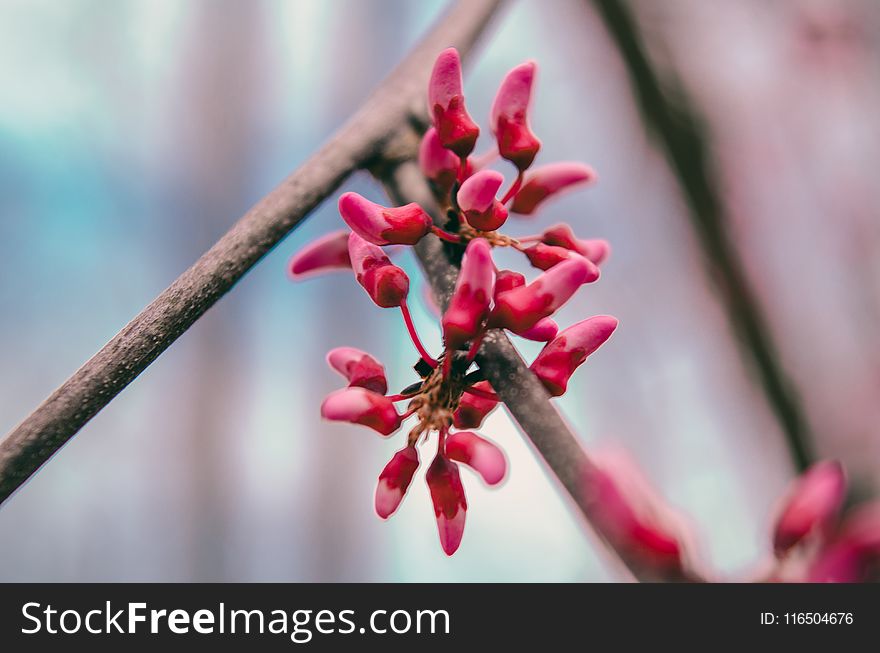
(676,124)
(30,444)
(520,390)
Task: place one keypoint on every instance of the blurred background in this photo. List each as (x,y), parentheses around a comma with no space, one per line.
(133,134)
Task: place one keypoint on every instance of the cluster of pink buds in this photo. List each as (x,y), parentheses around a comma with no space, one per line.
(451,400)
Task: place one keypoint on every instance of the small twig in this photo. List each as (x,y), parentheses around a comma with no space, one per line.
(30,444)
(674,120)
(519,389)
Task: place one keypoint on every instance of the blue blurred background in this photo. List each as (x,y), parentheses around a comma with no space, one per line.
(134,133)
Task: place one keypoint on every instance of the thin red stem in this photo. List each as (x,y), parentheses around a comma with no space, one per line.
(413,334)
(475,347)
(514,189)
(534,238)
(401,397)
(462,168)
(479,392)
(445,235)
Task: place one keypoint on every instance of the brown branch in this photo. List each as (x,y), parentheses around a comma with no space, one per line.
(675,122)
(30,444)
(520,390)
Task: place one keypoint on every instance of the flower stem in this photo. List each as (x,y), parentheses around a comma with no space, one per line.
(475,347)
(483,394)
(514,188)
(445,235)
(414,336)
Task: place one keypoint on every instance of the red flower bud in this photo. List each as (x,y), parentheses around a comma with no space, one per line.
(361,369)
(561,357)
(385,283)
(402,225)
(450,505)
(361,406)
(521,308)
(329,252)
(457,131)
(544,257)
(479,454)
(561,236)
(472,410)
(438,164)
(813,501)
(394,481)
(469,305)
(544,330)
(509,118)
(549,180)
(476,198)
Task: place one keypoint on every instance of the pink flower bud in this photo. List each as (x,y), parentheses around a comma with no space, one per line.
(631,515)
(472,410)
(479,454)
(361,369)
(476,198)
(402,225)
(385,283)
(855,550)
(544,257)
(561,236)
(455,128)
(561,357)
(509,118)
(394,481)
(813,501)
(544,330)
(438,164)
(361,406)
(521,308)
(549,180)
(329,252)
(469,305)
(450,505)
(508,280)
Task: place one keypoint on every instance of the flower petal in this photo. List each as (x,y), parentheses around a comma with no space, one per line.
(394,481)
(361,369)
(402,225)
(509,117)
(544,330)
(812,502)
(450,505)
(469,305)
(561,235)
(361,406)
(561,357)
(385,283)
(476,198)
(329,252)
(521,308)
(485,457)
(457,131)
(550,180)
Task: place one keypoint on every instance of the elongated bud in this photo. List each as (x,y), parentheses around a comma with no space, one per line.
(329,252)
(550,180)
(561,235)
(544,330)
(813,501)
(544,257)
(385,283)
(634,518)
(479,454)
(509,117)
(521,308)
(361,406)
(394,481)
(457,131)
(469,305)
(450,505)
(437,163)
(361,369)
(561,357)
(476,198)
(472,410)
(379,225)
